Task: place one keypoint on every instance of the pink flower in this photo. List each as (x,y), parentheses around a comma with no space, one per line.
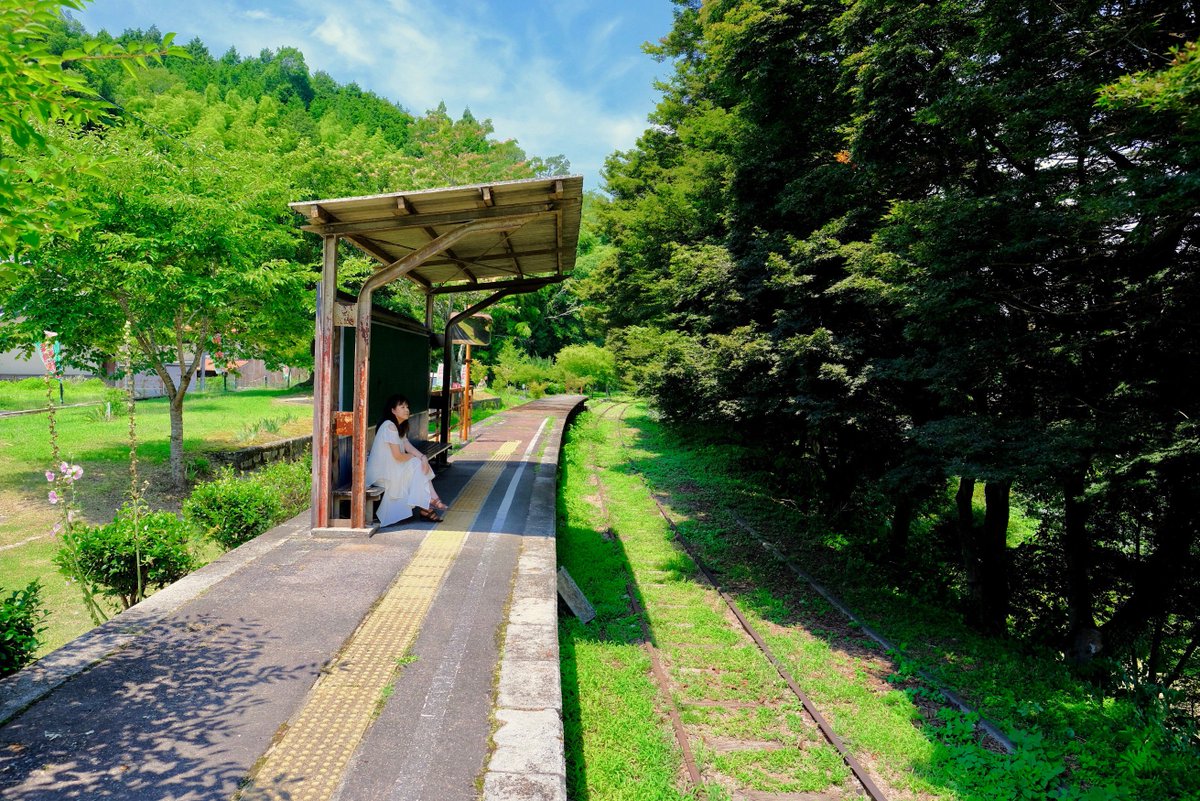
(76,472)
(64,468)
(50,476)
(54,497)
(54,532)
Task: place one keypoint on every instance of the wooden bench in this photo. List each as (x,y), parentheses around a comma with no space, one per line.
(342,495)
(432,450)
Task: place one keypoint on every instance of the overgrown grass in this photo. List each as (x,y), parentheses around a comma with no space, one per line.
(744,727)
(1074,741)
(211,422)
(617,744)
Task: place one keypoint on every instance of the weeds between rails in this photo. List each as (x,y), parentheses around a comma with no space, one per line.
(660,675)
(869,787)
(986,729)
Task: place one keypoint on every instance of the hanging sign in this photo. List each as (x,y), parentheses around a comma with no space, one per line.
(475,330)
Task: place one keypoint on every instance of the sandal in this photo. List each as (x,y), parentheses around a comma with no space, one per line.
(430,515)
(436,503)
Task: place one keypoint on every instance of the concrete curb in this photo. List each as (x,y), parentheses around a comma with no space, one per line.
(529,761)
(26,687)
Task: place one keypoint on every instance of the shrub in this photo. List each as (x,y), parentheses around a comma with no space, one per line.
(109,555)
(197,468)
(21,618)
(515,368)
(232,510)
(291,481)
(586,366)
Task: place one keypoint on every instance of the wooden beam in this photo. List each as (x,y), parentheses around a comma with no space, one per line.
(421,220)
(516,285)
(498,257)
(323,384)
(558,236)
(557,194)
(508,249)
(454,257)
(403,207)
(485,197)
(370,248)
(318,215)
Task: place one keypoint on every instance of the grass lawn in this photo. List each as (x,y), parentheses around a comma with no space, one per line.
(1074,741)
(30,393)
(212,421)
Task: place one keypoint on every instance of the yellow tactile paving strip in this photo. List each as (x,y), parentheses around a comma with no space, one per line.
(310,757)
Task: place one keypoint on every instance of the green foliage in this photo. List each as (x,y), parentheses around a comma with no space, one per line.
(292,483)
(874,238)
(1174,88)
(188,233)
(110,555)
(42,85)
(21,617)
(233,509)
(514,368)
(586,367)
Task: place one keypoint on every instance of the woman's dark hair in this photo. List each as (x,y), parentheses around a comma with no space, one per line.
(392,402)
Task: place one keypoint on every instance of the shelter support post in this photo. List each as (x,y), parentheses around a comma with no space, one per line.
(447,348)
(323,384)
(362,345)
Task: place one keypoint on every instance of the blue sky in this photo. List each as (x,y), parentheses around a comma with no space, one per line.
(559,76)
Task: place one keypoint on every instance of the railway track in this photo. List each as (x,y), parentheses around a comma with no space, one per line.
(866,784)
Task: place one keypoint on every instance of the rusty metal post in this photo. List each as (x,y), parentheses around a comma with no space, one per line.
(444,428)
(362,375)
(446,400)
(323,385)
(465,416)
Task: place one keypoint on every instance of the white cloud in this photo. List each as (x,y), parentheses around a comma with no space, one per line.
(348,41)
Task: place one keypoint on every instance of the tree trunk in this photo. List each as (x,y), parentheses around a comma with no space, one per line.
(1154,661)
(994,557)
(1157,579)
(1083,637)
(967,542)
(178,474)
(1184,658)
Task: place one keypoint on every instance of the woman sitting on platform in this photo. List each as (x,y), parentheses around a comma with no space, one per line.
(403,471)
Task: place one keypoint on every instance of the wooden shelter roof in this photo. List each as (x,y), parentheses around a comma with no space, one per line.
(540,245)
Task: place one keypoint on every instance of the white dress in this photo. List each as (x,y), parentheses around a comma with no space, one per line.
(405,483)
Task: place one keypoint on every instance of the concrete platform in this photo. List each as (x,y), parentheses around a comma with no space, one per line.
(418,663)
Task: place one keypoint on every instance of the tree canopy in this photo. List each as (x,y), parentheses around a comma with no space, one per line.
(938,247)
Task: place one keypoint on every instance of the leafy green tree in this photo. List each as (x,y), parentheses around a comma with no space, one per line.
(881,233)
(40,85)
(189,255)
